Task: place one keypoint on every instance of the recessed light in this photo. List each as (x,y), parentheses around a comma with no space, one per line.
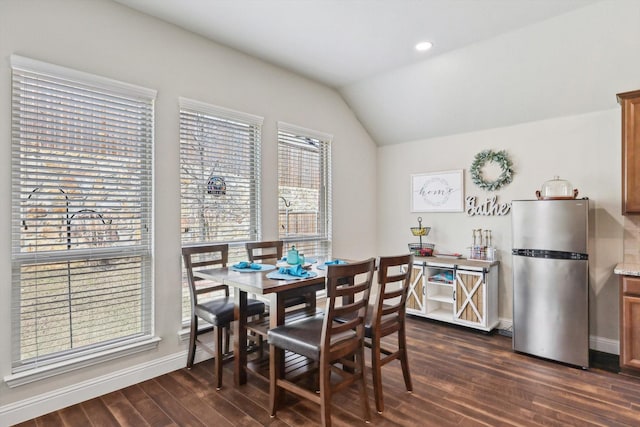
(423,46)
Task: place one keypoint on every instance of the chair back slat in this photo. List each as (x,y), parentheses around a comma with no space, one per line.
(395,277)
(262,251)
(390,294)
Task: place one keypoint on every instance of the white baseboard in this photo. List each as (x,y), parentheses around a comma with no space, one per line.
(505,324)
(605,345)
(27,409)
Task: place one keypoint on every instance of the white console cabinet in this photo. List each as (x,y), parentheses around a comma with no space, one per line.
(464,292)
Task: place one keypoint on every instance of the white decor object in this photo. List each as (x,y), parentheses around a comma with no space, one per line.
(437,192)
(490,206)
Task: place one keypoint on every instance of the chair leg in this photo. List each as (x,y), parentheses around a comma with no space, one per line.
(218,330)
(227,339)
(261,345)
(325,394)
(192,342)
(261,342)
(363,381)
(275,373)
(376,371)
(404,359)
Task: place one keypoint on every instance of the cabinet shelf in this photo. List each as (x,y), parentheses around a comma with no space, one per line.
(441,298)
(447,284)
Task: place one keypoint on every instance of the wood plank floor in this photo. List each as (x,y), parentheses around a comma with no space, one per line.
(461,378)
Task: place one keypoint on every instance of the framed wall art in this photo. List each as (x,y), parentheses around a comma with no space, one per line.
(437,191)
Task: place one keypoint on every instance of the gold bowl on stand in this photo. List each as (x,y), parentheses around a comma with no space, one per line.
(420,231)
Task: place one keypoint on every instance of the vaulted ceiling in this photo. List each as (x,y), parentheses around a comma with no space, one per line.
(470,79)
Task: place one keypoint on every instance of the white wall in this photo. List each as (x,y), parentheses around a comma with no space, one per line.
(583,149)
(107,39)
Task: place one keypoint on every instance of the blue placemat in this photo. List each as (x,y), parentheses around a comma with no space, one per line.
(280,276)
(334,262)
(263,267)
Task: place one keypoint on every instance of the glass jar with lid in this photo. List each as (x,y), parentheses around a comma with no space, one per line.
(556,189)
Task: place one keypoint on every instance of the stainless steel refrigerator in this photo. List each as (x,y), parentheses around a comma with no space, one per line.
(551,279)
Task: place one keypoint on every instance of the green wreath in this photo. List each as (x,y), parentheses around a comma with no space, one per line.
(501,159)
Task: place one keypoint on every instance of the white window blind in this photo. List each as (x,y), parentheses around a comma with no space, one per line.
(304,189)
(81,213)
(219,178)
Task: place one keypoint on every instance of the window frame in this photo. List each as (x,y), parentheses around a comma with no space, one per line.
(231,120)
(60,361)
(290,134)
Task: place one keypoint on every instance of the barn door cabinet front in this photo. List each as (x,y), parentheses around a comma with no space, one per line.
(464,292)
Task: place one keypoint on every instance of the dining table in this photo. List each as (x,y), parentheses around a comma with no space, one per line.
(256,282)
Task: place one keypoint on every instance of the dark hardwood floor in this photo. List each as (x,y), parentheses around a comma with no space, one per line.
(460,377)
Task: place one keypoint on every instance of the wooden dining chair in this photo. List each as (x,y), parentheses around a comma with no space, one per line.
(218,309)
(338,347)
(386,316)
(271,251)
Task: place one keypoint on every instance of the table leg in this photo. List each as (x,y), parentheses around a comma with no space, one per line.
(311,301)
(240,342)
(276,359)
(276,315)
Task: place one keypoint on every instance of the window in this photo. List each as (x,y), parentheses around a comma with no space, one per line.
(81,215)
(304,189)
(219,179)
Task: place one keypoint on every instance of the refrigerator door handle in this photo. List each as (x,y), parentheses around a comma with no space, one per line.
(544,253)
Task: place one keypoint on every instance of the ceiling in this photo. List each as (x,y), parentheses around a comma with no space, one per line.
(343,43)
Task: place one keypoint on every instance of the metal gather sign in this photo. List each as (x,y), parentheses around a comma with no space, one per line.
(489,207)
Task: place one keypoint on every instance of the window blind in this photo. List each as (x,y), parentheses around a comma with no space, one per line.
(304,189)
(81,213)
(219,178)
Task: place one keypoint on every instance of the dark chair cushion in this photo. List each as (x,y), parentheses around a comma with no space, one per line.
(219,311)
(303,337)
